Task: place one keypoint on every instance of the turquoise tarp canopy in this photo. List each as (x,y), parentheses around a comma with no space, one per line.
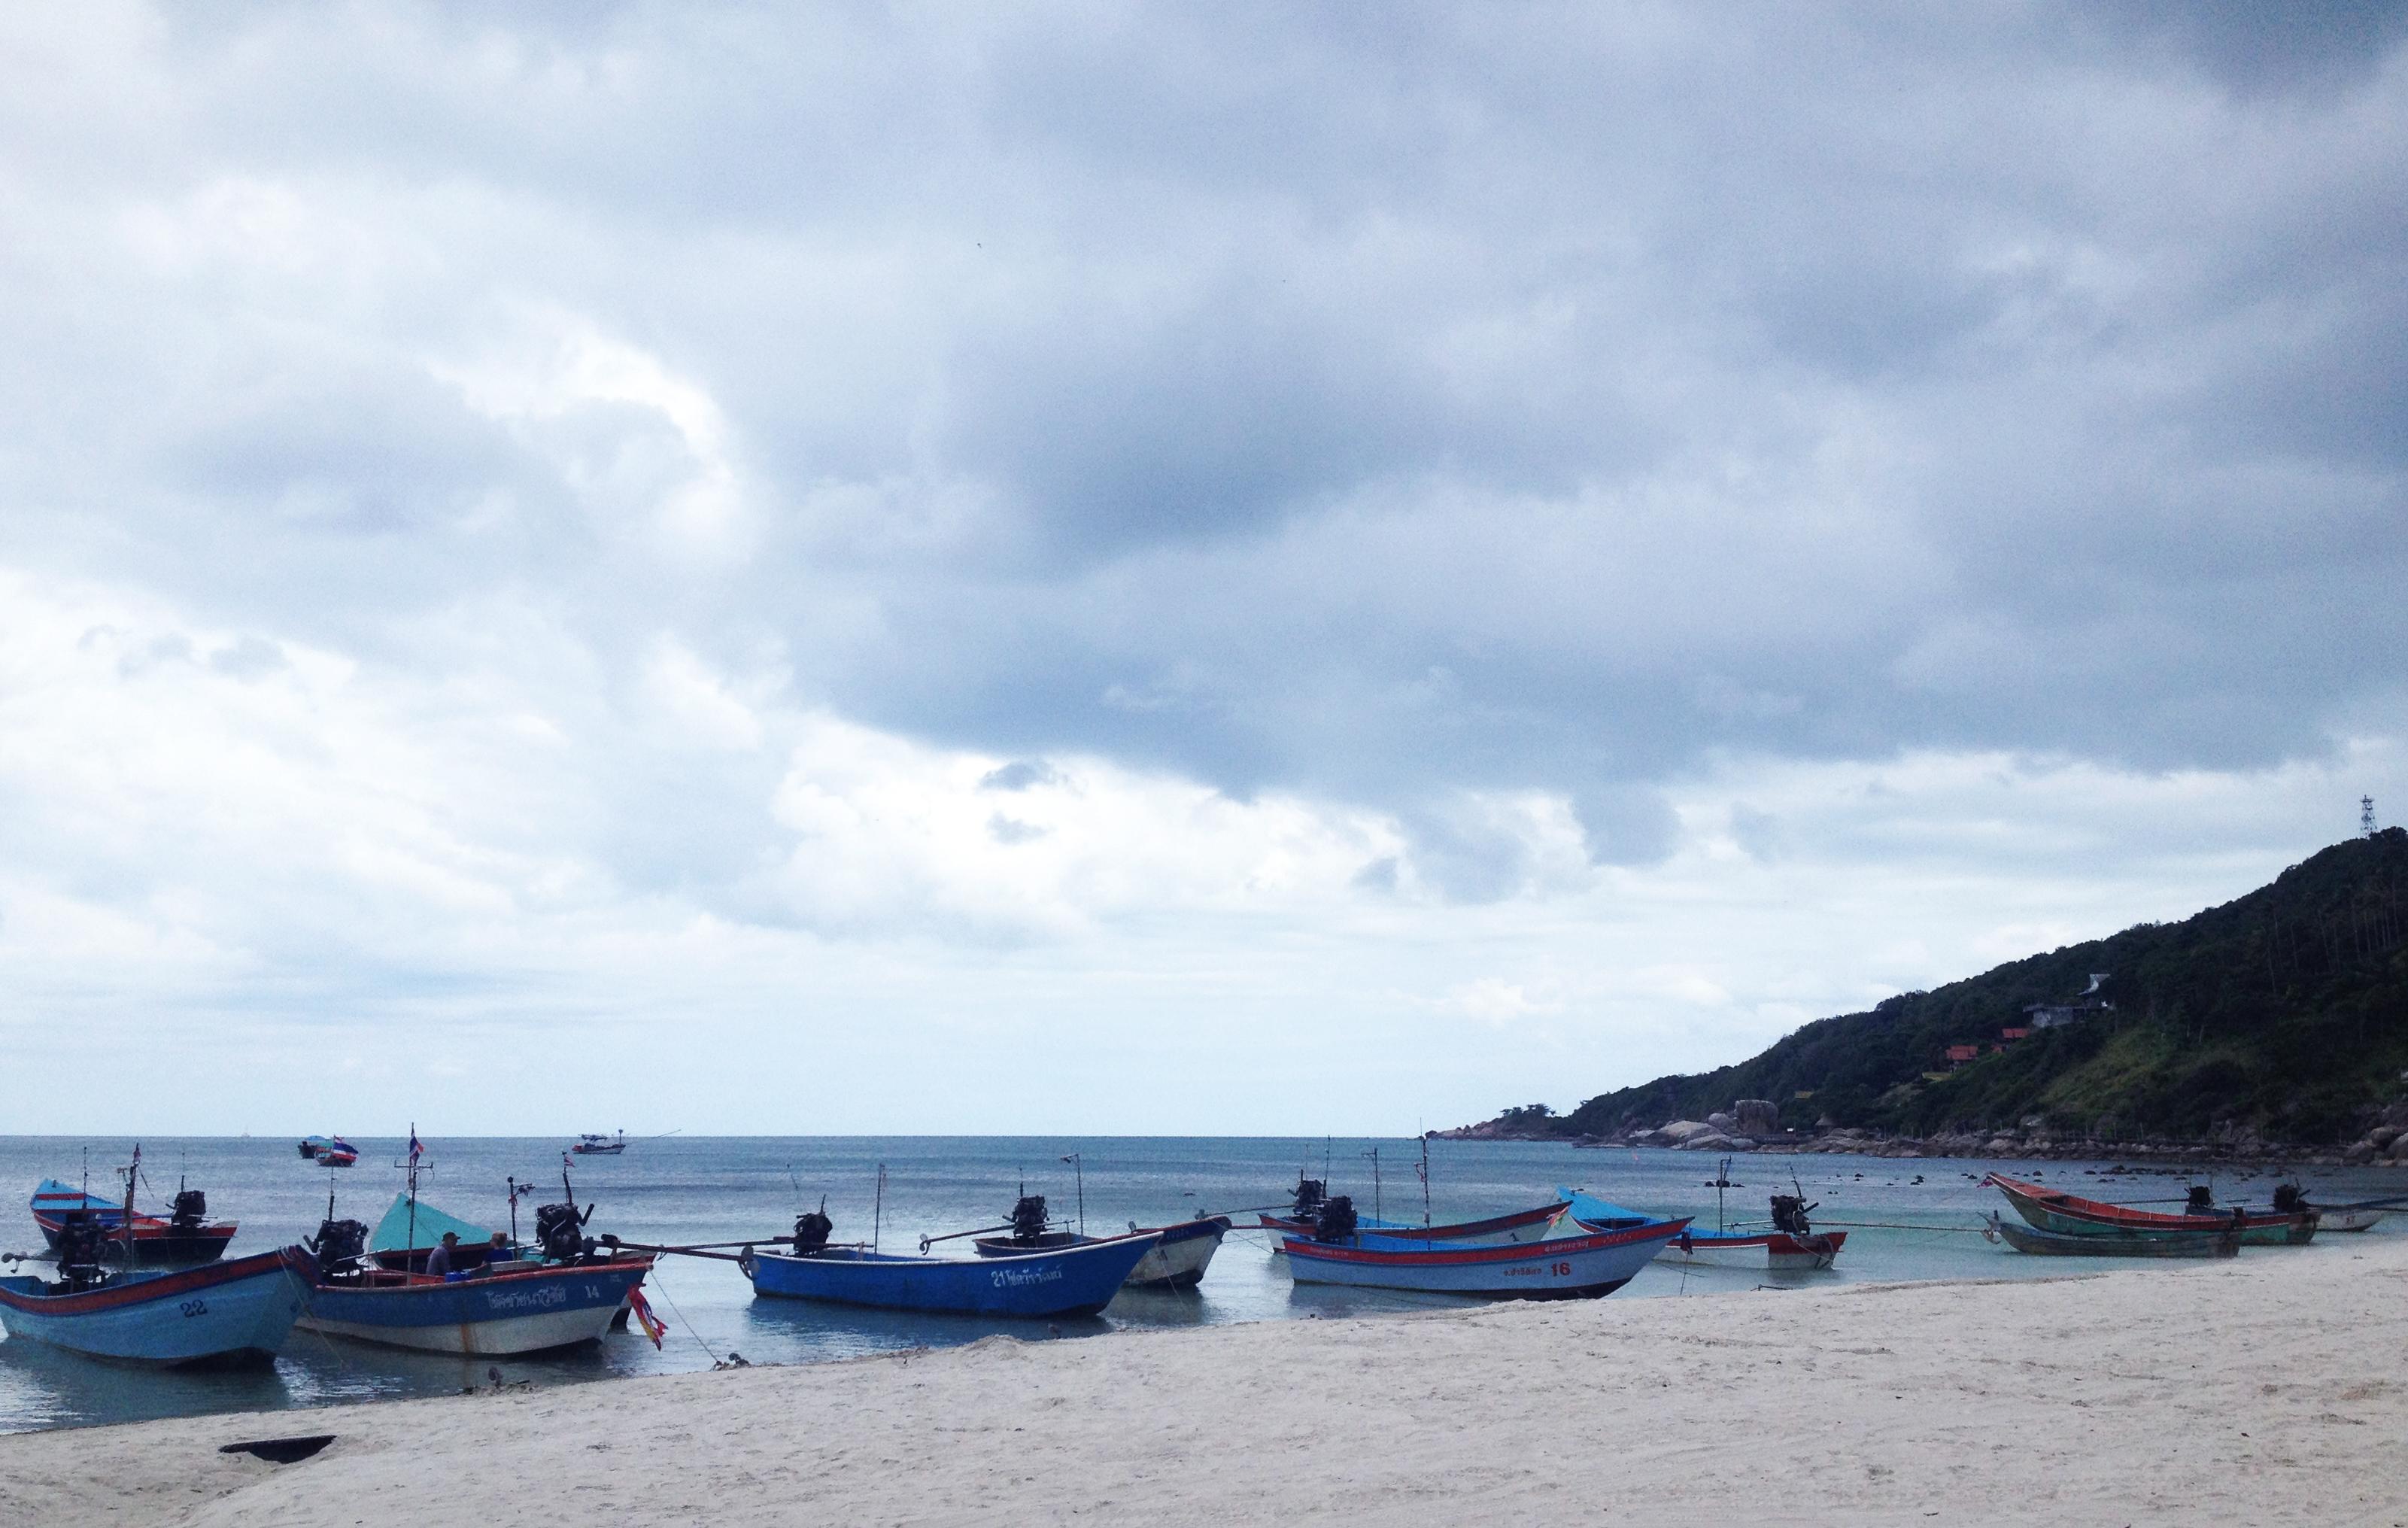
(394,1232)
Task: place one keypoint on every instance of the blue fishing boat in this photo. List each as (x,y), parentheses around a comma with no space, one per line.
(1059,1282)
(404,1286)
(224,1314)
(329,1151)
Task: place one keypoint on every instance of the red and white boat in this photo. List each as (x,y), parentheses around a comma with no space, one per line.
(1792,1245)
(1554,1268)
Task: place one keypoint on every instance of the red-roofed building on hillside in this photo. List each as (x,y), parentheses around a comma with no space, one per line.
(1963,1053)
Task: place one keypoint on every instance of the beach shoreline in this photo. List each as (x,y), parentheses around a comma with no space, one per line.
(2264,1390)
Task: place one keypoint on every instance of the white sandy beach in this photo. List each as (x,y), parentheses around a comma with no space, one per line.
(2273,1390)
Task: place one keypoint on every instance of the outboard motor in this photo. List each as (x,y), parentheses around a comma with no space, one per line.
(83,1241)
(560,1230)
(1336,1221)
(1028,1218)
(2201,1200)
(338,1242)
(1789,1215)
(811,1232)
(1311,1194)
(191,1205)
(2289,1199)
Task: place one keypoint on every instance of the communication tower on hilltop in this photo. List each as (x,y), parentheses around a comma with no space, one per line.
(2366,817)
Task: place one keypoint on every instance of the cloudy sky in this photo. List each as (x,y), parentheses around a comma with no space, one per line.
(1154,569)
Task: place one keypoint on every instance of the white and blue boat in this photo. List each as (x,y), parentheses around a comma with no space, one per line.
(1053,1284)
(522,1308)
(226,1314)
(1586,1266)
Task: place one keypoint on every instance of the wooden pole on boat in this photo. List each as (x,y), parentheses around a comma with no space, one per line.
(878,1208)
(1080,1171)
(131,1173)
(1425,1209)
(1374,1155)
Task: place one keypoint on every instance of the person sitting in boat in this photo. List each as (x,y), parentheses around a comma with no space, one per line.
(438,1261)
(499,1252)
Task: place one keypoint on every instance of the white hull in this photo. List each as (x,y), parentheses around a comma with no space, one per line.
(1176,1263)
(1747,1257)
(480,1339)
(2348,1219)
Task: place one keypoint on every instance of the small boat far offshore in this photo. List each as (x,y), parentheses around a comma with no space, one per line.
(600,1146)
(329,1151)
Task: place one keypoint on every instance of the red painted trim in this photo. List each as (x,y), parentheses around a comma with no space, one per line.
(2123,1215)
(116,1295)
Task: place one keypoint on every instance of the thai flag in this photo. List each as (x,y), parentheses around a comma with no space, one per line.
(654,1326)
(416,1151)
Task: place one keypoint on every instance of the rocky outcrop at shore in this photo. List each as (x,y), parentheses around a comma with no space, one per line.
(1754,1125)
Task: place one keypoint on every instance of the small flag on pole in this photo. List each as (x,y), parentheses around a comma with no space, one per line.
(654,1326)
(416,1151)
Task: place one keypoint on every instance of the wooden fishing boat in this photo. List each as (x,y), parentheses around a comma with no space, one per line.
(1586,1266)
(2160,1244)
(329,1151)
(1790,1246)
(1520,1226)
(1177,1262)
(600,1146)
(2070,1215)
(512,1307)
(224,1314)
(185,1235)
(1078,1280)
(2350,1217)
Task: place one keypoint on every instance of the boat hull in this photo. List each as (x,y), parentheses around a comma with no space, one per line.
(227,1314)
(1177,1263)
(1558,1268)
(494,1315)
(157,1242)
(1775,1250)
(2345,1220)
(2070,1215)
(2170,1244)
(1520,1226)
(1070,1281)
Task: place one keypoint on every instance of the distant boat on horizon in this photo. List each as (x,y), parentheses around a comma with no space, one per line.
(600,1146)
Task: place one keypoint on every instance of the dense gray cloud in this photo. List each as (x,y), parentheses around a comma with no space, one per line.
(1383,406)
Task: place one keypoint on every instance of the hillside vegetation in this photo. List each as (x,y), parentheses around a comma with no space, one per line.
(2285,1011)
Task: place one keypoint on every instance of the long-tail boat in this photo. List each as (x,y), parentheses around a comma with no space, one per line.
(2070,1214)
(566,1290)
(1587,1266)
(1791,1244)
(329,1151)
(1177,1262)
(1312,1195)
(2155,1244)
(1060,1282)
(183,1236)
(219,1314)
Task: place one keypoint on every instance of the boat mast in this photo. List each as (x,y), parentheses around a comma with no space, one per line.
(1374,1155)
(878,1207)
(1425,1209)
(131,1173)
(1080,1171)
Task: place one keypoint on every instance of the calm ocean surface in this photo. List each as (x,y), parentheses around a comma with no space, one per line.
(688,1190)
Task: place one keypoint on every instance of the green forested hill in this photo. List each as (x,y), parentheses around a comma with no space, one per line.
(2286,1011)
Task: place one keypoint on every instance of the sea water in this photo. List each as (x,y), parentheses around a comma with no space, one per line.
(1918,1219)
